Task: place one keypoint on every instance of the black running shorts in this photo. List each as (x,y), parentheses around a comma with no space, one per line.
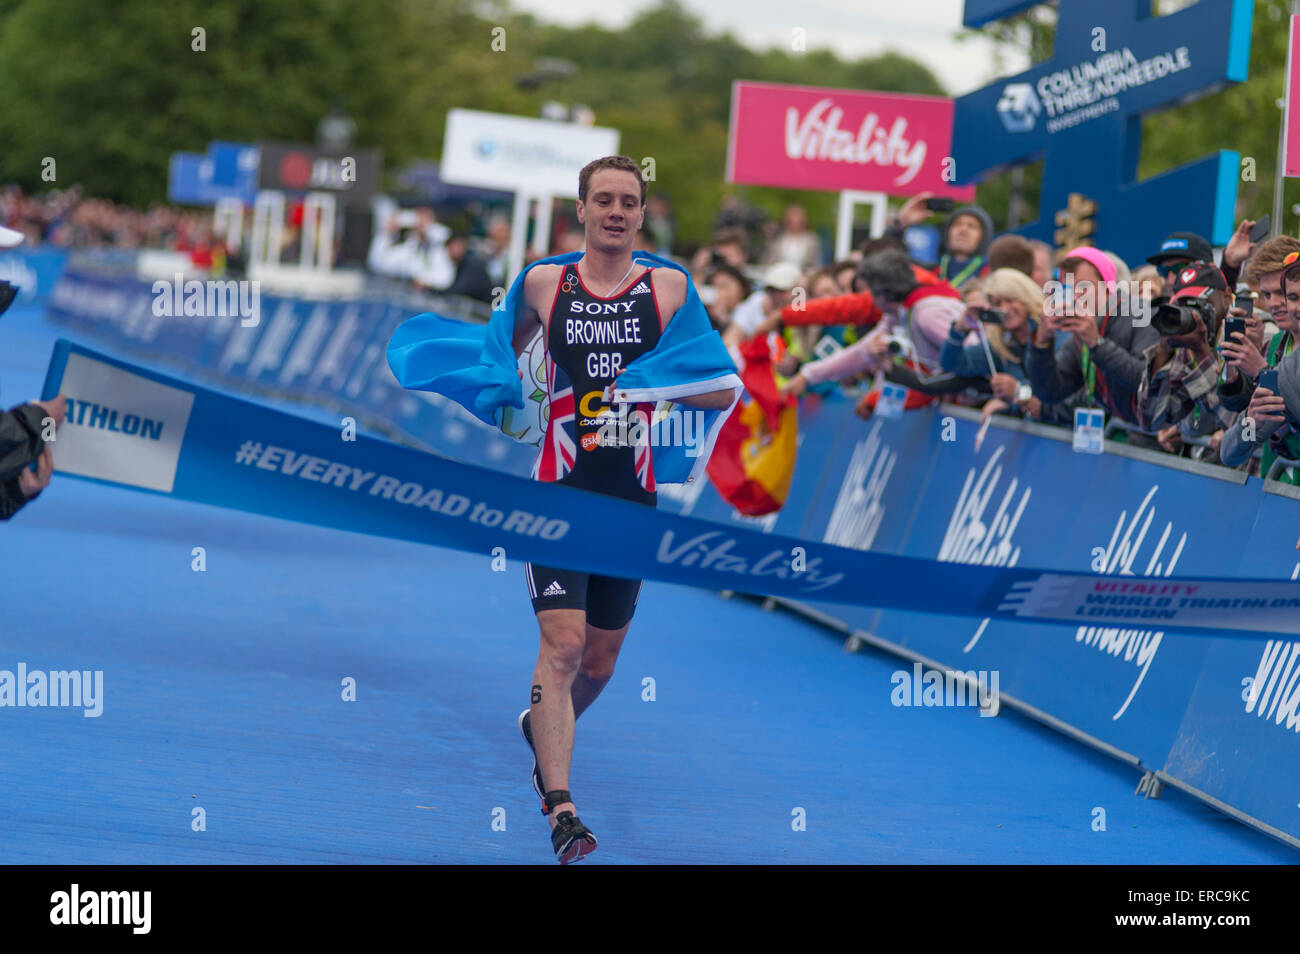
(609,601)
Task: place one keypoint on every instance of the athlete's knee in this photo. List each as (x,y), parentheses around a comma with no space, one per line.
(599,669)
(562,648)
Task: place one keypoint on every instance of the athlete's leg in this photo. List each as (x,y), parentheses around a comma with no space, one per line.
(598,658)
(611,601)
(558,661)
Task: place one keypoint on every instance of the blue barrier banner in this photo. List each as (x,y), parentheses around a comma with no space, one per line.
(1128,681)
(1239,739)
(34,270)
(872,478)
(135,428)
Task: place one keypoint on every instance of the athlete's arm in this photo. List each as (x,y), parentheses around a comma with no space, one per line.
(670,294)
(539,292)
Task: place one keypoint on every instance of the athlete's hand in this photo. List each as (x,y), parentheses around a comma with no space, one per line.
(608,395)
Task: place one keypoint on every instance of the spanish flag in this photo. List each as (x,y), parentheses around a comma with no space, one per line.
(753,460)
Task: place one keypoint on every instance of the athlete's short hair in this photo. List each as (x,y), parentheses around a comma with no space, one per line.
(621,163)
(1269,257)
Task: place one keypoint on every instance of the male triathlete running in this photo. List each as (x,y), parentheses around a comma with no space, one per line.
(597,315)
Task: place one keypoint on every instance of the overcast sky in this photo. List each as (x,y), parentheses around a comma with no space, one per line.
(922,29)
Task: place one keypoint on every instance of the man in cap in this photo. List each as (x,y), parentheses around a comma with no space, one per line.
(1179,249)
(966,235)
(761,310)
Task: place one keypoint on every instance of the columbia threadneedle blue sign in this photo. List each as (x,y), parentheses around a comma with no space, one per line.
(1080,112)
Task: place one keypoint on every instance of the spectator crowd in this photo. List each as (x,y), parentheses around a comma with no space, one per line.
(1184,353)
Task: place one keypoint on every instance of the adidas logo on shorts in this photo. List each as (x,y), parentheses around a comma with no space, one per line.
(641,288)
(554,589)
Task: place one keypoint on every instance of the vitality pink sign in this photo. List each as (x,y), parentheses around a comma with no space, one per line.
(1291,115)
(806,137)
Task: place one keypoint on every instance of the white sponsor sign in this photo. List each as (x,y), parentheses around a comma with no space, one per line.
(520,154)
(120,426)
(1259,606)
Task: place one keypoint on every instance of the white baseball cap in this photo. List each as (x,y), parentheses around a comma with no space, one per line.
(782,275)
(9,238)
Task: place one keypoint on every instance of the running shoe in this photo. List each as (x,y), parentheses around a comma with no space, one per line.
(526,730)
(571,839)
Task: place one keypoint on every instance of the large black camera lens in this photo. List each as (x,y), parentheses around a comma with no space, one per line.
(1177,319)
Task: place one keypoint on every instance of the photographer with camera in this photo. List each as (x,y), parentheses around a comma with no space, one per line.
(1012,309)
(1243,346)
(413,245)
(1181,374)
(1102,358)
(1272,414)
(963,253)
(917,310)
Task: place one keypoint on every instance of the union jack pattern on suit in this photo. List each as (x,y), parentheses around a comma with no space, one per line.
(558,448)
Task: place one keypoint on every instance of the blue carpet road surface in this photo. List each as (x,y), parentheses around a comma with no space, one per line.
(222,691)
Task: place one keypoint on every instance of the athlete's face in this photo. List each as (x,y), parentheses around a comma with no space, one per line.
(613,213)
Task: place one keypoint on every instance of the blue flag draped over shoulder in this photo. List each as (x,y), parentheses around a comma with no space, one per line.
(476,366)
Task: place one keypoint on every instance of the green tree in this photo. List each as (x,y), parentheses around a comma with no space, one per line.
(110,91)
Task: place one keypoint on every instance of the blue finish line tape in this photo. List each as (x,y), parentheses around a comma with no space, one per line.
(134,428)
